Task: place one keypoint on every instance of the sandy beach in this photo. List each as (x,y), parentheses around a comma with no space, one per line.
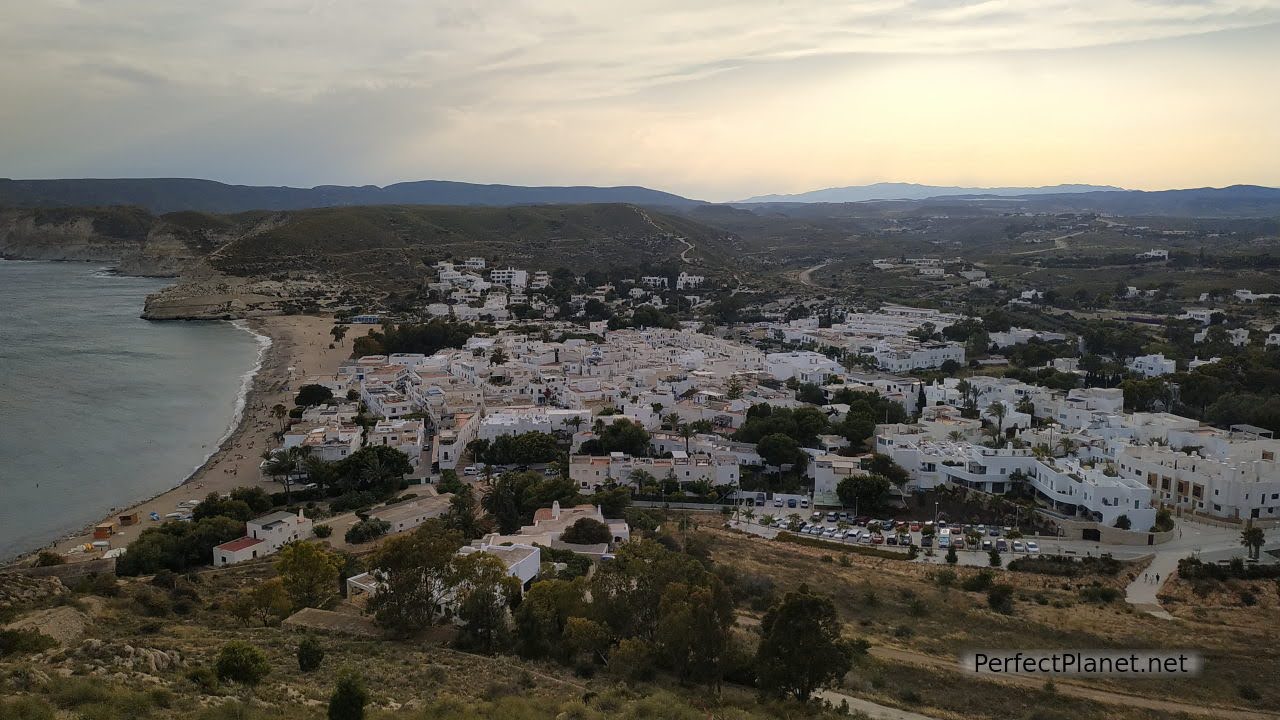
(300,347)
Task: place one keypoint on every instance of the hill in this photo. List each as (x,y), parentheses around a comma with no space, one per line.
(268,262)
(164,195)
(914,191)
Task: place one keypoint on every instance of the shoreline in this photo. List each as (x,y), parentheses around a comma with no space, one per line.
(284,359)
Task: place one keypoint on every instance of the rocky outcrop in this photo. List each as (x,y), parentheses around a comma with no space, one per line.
(18,589)
(206,294)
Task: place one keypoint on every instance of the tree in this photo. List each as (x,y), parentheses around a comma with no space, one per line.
(312,395)
(587,531)
(1123,522)
(310,654)
(543,614)
(779,450)
(952,558)
(214,505)
(349,698)
(242,663)
(999,411)
(585,640)
(415,573)
(485,592)
(868,493)
(626,593)
(694,622)
(280,412)
(811,393)
(1253,538)
(338,332)
(463,515)
(733,387)
(687,432)
(498,357)
(800,646)
(884,466)
(268,602)
(993,558)
(309,573)
(366,530)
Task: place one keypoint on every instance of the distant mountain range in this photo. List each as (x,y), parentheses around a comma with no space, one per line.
(163,195)
(914,191)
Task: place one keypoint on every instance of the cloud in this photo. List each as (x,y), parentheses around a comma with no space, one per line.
(706,96)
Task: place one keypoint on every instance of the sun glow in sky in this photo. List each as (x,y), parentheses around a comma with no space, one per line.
(717,100)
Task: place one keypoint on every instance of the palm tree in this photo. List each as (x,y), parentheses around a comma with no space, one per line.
(280,412)
(1067,444)
(686,432)
(749,514)
(955,436)
(999,411)
(671,420)
(767,520)
(575,421)
(286,464)
(965,388)
(1254,538)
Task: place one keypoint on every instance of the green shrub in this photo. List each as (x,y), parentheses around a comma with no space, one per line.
(366,530)
(322,531)
(978,582)
(1000,598)
(349,698)
(204,678)
(945,577)
(13,642)
(26,707)
(310,654)
(47,558)
(1099,594)
(242,663)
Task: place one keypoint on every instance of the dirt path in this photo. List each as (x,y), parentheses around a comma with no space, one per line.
(1068,687)
(1059,243)
(806,276)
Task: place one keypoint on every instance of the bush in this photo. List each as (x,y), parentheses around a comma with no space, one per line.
(1063,566)
(242,663)
(352,501)
(322,531)
(993,558)
(13,642)
(152,602)
(366,530)
(349,698)
(1000,598)
(49,559)
(204,678)
(979,582)
(1099,594)
(310,654)
(25,708)
(1194,569)
(945,578)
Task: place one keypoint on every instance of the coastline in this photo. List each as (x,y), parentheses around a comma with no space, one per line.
(292,348)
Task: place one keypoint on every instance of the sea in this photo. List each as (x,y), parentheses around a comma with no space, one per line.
(99,408)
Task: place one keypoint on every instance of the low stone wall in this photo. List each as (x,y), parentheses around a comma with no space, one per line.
(1225,523)
(1107,535)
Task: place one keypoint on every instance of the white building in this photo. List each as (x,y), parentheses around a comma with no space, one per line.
(590,472)
(654,281)
(407,436)
(263,536)
(686,281)
(474,263)
(902,356)
(828,471)
(520,420)
(1153,254)
(804,366)
(1149,366)
(510,277)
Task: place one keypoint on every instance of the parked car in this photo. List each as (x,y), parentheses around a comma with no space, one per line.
(777,502)
(804,502)
(986,545)
(791,502)
(471,470)
(1002,545)
(926,541)
(832,517)
(816,516)
(1033,546)
(944,542)
(877,539)
(904,540)
(862,520)
(958,541)
(550,472)
(891,540)
(1018,546)
(993,532)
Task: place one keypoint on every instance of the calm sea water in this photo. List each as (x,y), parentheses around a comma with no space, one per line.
(99,408)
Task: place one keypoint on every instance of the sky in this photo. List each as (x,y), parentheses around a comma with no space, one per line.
(712,99)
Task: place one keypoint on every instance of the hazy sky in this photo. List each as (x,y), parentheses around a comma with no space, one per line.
(715,99)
